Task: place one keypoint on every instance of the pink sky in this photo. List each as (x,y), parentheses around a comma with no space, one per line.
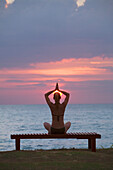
(74,75)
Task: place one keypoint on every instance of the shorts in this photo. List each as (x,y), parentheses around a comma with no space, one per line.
(57,131)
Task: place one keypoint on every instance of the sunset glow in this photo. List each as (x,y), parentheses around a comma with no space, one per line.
(67,67)
(56,91)
(76,70)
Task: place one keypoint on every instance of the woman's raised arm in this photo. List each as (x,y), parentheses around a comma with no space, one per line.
(67,97)
(47,96)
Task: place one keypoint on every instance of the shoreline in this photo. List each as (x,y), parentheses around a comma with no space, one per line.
(62,150)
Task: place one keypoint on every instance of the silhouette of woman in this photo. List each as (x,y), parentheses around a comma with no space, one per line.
(57,111)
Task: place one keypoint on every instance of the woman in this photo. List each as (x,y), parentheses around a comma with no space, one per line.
(57,111)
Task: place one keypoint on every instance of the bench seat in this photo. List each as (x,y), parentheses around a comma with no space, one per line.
(91,136)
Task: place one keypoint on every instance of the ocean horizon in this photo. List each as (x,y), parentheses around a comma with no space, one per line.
(23,119)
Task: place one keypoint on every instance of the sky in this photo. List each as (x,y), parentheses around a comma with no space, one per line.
(47,41)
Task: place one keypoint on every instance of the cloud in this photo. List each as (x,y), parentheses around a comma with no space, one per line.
(35,31)
(81,69)
(32,85)
(8,2)
(80,3)
(14,81)
(74,67)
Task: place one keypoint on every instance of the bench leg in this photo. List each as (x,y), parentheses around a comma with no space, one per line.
(89,143)
(93,145)
(17,142)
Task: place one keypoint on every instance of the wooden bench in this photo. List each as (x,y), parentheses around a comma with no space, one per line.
(90,136)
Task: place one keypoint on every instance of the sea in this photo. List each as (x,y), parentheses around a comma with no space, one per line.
(27,119)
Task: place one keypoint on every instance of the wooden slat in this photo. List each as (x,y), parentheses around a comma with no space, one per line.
(68,135)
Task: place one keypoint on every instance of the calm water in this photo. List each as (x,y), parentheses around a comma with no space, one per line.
(17,119)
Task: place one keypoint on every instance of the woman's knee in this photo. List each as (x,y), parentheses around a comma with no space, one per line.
(45,124)
(68,124)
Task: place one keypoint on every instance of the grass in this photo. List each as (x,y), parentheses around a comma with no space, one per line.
(57,159)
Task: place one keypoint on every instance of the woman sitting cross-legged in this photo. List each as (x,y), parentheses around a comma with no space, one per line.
(57,111)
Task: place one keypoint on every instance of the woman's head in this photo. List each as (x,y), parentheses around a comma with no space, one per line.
(56,97)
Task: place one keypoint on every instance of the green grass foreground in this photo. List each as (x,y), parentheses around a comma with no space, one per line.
(57,159)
